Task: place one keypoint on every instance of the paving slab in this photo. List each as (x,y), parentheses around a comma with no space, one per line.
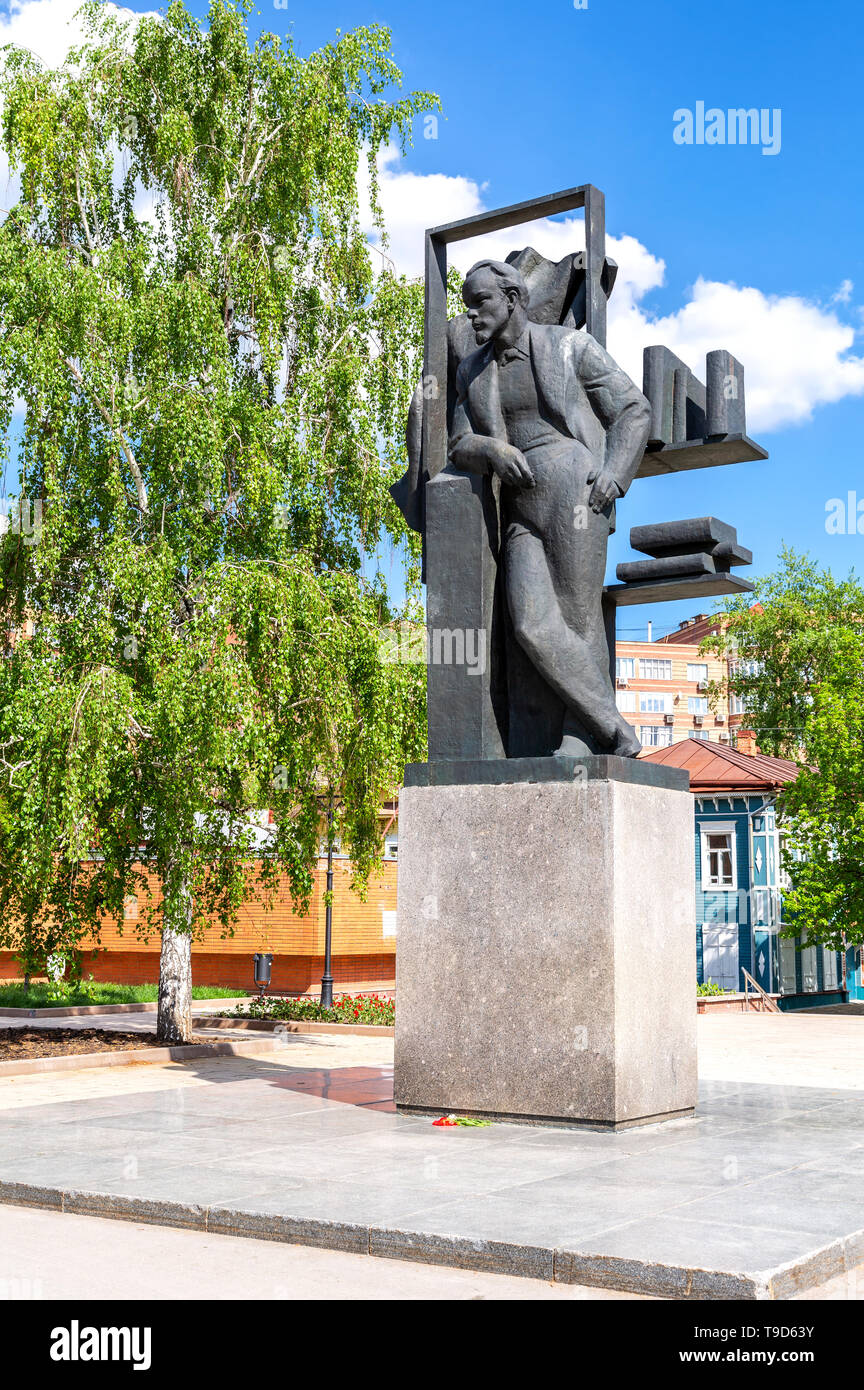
(49,1256)
(684,1212)
(28,1016)
(758,1197)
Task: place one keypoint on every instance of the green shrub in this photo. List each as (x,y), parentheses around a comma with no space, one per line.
(347,1008)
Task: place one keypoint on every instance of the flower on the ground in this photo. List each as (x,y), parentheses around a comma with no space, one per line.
(463,1120)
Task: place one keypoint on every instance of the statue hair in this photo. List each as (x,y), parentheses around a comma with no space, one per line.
(509,277)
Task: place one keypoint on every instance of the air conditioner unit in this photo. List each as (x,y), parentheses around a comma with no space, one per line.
(669,718)
(701,685)
(622,682)
(698,718)
(720,718)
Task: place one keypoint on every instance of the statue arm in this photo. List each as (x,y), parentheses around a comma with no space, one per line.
(481,453)
(468,451)
(622,410)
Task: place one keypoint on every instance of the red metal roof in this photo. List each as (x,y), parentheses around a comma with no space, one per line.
(716,767)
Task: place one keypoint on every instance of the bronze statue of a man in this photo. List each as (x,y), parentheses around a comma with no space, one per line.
(545,408)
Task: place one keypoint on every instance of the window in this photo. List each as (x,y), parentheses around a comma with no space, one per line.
(653,669)
(655,735)
(718,855)
(697,670)
(720,955)
(697,704)
(809,977)
(830,969)
(625,667)
(788,957)
(626,700)
(745,668)
(391,847)
(699,733)
(652,703)
(737,705)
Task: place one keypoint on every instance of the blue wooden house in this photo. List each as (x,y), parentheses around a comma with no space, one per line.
(739,909)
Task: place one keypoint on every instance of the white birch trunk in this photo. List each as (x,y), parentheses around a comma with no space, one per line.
(174,1016)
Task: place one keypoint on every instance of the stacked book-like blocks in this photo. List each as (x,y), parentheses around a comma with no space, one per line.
(683,549)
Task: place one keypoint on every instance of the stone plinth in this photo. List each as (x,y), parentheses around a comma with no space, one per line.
(546,957)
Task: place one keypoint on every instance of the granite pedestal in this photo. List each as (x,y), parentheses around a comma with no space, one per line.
(546,957)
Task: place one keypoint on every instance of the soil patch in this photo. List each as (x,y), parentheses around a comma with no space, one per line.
(16,1044)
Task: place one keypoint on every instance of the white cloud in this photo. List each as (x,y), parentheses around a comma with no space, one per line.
(49,28)
(795,351)
(844,293)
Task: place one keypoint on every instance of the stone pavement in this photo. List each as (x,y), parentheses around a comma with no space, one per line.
(144,1022)
(813,1047)
(44,1255)
(760,1196)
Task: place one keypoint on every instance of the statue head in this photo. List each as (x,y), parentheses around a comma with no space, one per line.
(494,292)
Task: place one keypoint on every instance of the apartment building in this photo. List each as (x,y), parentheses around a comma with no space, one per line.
(662,689)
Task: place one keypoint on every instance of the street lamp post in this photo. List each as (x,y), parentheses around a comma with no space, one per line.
(327,977)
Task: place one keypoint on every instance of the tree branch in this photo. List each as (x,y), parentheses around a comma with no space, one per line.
(137,475)
(87,237)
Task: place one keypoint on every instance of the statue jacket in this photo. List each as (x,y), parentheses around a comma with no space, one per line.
(583,393)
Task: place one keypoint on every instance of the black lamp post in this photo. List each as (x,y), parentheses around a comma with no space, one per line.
(327,977)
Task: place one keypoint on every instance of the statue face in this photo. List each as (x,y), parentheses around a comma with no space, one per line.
(489,308)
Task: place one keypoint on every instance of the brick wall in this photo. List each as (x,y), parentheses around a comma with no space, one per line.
(676,691)
(364,946)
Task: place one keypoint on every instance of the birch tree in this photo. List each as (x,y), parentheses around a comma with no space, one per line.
(202,381)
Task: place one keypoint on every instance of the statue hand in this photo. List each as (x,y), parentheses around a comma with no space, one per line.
(511,466)
(604,491)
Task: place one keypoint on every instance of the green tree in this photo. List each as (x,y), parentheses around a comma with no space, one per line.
(797,660)
(213,376)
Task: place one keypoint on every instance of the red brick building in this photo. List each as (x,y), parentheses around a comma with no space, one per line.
(364,940)
(662,689)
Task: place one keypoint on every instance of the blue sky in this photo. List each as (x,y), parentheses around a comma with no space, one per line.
(719,245)
(542,97)
(547,96)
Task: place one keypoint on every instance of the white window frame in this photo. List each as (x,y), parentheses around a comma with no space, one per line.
(716,936)
(663,734)
(720,827)
(697,704)
(831,975)
(625,667)
(700,667)
(658,702)
(626,701)
(788,970)
(653,673)
(809,966)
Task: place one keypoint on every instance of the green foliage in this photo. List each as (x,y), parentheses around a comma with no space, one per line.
(213,378)
(709,988)
(349,1008)
(803,684)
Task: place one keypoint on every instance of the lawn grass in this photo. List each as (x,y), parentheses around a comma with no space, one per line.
(13,995)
